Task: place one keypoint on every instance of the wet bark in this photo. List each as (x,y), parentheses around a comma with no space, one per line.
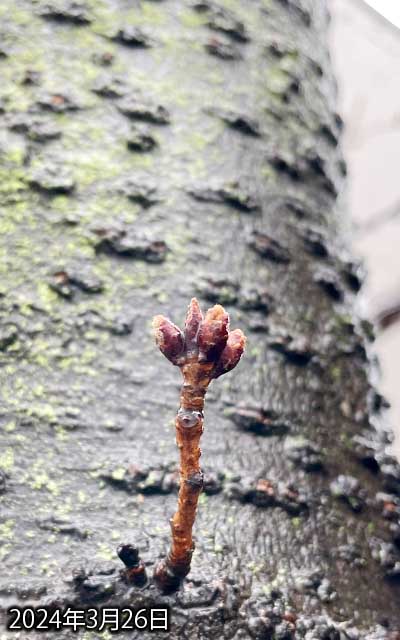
(152,151)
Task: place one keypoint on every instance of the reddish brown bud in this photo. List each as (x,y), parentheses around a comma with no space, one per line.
(232,353)
(213,334)
(169,338)
(194,318)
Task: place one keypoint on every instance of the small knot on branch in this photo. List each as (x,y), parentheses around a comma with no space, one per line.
(135,572)
(189,419)
(195,480)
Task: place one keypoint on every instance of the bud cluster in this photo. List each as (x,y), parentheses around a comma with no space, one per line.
(206,340)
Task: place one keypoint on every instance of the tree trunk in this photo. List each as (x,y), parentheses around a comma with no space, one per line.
(152,151)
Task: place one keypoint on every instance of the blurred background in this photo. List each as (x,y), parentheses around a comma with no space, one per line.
(365,47)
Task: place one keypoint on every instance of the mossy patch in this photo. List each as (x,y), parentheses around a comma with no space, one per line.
(7,460)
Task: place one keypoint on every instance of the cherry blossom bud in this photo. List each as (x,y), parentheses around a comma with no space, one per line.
(194,318)
(232,353)
(169,338)
(213,334)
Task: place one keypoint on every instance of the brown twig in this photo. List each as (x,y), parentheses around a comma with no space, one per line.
(206,350)
(388,316)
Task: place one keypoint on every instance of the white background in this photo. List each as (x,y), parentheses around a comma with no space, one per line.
(388,8)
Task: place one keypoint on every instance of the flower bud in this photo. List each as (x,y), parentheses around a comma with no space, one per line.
(232,353)
(169,338)
(213,334)
(194,318)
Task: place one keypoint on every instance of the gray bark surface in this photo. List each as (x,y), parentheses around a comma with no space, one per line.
(194,155)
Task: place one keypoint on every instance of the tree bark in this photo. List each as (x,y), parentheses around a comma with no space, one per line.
(152,151)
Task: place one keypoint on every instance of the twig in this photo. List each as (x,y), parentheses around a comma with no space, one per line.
(388,316)
(206,350)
